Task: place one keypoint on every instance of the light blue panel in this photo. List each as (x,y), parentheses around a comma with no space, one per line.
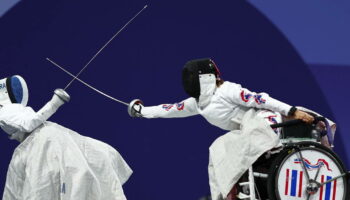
(5,5)
(334,82)
(318,29)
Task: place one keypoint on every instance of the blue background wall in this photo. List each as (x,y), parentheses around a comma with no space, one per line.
(169,156)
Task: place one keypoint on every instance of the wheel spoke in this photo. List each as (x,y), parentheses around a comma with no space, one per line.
(318,171)
(308,197)
(330,180)
(303,165)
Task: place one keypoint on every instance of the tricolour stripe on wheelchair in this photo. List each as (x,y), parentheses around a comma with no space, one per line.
(294,186)
(287,183)
(300,183)
(321,189)
(296,183)
(334,189)
(329,190)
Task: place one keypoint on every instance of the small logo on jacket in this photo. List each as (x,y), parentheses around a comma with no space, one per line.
(179,106)
(258,99)
(245,97)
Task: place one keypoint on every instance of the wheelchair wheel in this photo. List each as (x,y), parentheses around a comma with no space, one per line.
(307,170)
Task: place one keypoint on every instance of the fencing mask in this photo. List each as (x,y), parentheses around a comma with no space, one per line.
(191,72)
(13,90)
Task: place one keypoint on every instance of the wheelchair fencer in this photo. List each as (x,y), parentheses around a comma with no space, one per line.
(301,169)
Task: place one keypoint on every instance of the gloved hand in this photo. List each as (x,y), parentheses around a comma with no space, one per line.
(59,98)
(135,108)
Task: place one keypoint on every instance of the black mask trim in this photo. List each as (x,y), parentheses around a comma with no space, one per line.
(9,90)
(191,72)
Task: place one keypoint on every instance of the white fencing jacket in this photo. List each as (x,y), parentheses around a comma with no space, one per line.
(227,107)
(56,163)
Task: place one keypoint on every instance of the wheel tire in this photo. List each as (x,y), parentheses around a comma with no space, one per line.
(271,181)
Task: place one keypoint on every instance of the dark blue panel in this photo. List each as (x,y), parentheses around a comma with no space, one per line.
(169,156)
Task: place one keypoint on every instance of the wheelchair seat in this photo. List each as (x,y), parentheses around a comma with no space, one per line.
(299,132)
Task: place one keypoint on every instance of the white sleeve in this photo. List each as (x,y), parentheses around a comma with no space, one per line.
(19,118)
(185,108)
(244,97)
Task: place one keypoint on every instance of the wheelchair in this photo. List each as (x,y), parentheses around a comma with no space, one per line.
(302,169)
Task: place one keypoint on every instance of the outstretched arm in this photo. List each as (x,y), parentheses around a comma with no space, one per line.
(185,108)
